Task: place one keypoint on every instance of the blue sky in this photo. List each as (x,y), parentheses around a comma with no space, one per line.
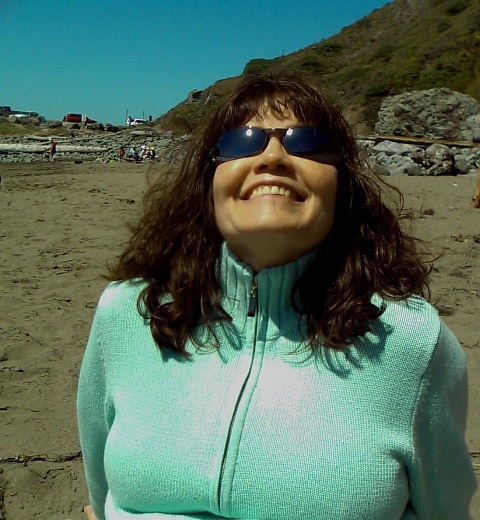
(107,58)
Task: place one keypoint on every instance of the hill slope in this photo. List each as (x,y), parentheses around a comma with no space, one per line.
(406,45)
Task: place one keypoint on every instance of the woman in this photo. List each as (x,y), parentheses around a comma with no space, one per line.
(264,351)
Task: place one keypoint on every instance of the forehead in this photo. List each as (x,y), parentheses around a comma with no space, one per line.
(275,108)
(271,120)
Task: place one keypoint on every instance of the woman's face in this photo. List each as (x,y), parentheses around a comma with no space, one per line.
(274,207)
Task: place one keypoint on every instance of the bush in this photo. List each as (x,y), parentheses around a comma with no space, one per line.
(377,90)
(331,47)
(364,23)
(456,6)
(257,66)
(385,51)
(312,64)
(443,25)
(448,70)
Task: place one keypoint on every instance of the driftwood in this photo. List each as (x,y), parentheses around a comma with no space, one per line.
(39,148)
(24,459)
(60,139)
(419,140)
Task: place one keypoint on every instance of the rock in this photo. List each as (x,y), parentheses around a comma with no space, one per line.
(438,153)
(378,169)
(406,165)
(439,160)
(195,96)
(414,169)
(461,165)
(392,148)
(95,126)
(441,168)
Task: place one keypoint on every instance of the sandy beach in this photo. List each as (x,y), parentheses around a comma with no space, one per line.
(61,224)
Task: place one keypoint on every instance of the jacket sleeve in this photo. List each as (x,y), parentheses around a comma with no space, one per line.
(95,415)
(441,475)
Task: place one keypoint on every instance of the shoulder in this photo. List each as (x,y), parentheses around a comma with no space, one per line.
(411,331)
(118,320)
(413,347)
(412,308)
(120,297)
(410,319)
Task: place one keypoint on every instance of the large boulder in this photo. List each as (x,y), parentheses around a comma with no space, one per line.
(438,113)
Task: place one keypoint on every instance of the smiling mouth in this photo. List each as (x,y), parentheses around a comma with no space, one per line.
(273,190)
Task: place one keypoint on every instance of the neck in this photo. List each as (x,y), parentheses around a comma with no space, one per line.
(267,253)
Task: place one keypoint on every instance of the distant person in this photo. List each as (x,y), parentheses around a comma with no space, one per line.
(129,120)
(121,153)
(136,155)
(53,150)
(476,199)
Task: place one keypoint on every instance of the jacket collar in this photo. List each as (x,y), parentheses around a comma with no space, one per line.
(274,289)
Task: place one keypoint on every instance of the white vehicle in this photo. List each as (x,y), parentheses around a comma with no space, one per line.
(24,115)
(27,113)
(136,122)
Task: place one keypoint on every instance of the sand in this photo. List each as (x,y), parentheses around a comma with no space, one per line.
(61,223)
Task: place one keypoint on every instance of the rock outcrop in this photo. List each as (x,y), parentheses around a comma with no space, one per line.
(388,157)
(437,113)
(423,117)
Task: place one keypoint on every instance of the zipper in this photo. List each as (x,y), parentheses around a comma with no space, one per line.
(252,309)
(229,434)
(252,301)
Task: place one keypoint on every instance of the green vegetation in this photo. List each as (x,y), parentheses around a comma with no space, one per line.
(385,52)
(257,66)
(17,129)
(403,46)
(456,6)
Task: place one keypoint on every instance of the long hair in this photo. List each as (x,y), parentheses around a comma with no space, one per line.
(175,246)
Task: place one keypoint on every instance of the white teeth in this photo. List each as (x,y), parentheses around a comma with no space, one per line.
(270,190)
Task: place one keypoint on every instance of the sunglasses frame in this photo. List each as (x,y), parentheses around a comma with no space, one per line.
(218,159)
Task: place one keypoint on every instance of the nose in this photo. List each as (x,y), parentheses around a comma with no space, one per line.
(274,156)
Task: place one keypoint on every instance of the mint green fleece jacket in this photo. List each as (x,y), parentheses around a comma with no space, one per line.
(259,429)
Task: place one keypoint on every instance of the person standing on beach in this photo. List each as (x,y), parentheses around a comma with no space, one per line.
(266,349)
(53,150)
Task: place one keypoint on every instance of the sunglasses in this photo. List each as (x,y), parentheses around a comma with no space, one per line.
(304,141)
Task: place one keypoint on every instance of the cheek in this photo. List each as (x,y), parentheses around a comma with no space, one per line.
(227,181)
(221,189)
(325,186)
(219,196)
(326,197)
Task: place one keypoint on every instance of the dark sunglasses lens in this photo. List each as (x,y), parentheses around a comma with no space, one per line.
(305,139)
(240,142)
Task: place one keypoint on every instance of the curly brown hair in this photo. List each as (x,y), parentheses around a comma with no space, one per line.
(176,244)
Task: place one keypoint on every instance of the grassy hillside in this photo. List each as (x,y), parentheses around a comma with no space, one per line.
(406,45)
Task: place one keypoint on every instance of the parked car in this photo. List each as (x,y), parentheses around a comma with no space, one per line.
(136,122)
(23,115)
(5,111)
(77,118)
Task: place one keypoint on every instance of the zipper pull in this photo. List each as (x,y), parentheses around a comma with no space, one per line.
(252,302)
